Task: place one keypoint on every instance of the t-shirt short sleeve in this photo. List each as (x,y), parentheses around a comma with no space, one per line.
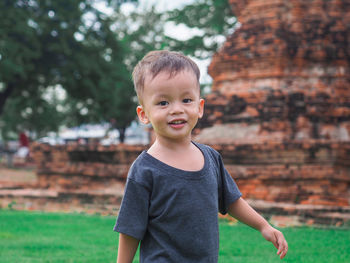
(228,189)
(133,214)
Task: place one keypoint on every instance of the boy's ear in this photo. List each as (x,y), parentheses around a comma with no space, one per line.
(201,108)
(142,115)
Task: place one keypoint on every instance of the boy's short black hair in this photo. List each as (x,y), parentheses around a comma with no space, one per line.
(158,61)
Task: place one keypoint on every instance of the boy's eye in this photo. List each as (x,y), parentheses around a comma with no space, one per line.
(163,103)
(187,100)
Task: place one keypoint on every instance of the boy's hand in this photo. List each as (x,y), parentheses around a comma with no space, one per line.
(242,211)
(276,237)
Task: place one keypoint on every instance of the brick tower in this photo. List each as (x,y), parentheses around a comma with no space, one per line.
(279,110)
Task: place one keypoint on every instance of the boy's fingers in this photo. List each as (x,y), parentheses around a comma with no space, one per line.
(282,245)
(283,252)
(277,239)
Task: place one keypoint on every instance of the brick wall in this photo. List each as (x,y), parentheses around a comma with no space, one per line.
(284,74)
(83,167)
(74,178)
(313,173)
(309,180)
(279,111)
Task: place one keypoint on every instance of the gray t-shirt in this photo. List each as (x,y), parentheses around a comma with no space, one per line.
(174,212)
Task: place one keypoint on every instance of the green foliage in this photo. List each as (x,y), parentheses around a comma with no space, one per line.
(213,17)
(67,43)
(141,31)
(144,30)
(34,114)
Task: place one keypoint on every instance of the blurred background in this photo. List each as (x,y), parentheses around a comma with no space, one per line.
(275,76)
(67,63)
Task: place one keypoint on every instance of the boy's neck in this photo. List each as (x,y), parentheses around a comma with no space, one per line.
(172,145)
(179,154)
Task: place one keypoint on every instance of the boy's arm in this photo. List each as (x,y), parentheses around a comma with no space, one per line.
(243,212)
(127,248)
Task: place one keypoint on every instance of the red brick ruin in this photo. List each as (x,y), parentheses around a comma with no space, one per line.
(279,113)
(74,178)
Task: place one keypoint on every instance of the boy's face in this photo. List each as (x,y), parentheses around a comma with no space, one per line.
(171,105)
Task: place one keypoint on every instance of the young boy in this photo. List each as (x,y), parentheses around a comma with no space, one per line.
(176,188)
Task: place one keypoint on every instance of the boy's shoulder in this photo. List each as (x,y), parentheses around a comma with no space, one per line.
(140,168)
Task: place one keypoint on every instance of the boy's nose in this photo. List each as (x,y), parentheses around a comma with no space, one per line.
(176,108)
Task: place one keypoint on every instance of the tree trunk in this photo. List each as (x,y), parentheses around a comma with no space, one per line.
(121,134)
(5,95)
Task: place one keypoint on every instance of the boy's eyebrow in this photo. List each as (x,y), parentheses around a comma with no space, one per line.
(187,92)
(162,95)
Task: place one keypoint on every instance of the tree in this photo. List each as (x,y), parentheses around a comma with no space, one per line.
(141,31)
(212,17)
(34,114)
(115,99)
(144,30)
(67,43)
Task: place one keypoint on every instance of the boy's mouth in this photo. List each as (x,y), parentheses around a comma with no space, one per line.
(177,123)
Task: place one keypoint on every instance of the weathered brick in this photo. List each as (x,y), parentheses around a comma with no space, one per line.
(281,82)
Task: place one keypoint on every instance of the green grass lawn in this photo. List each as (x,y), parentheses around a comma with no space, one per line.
(48,237)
